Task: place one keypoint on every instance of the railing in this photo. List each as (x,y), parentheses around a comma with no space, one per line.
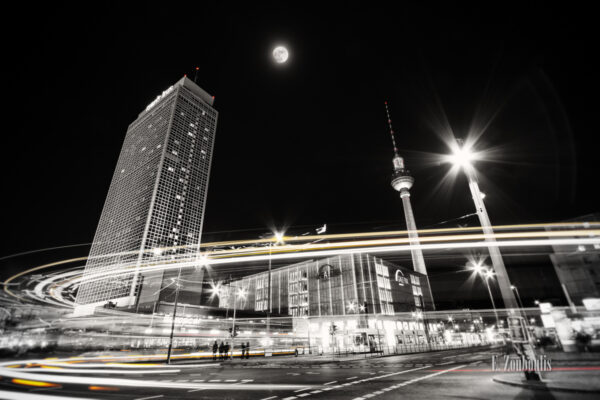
(381,351)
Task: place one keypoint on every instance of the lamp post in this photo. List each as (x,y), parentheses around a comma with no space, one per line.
(278,238)
(419,315)
(513,287)
(490,275)
(174,315)
(462,157)
(240,293)
(486,274)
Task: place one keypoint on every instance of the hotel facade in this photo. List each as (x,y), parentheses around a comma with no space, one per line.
(154,210)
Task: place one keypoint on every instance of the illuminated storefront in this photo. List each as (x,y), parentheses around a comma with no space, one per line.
(347,302)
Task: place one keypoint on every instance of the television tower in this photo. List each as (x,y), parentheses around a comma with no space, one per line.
(402,182)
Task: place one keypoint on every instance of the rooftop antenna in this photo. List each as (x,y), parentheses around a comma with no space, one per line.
(389,120)
(196,76)
(398,161)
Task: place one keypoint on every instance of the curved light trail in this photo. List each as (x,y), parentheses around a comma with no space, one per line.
(51,290)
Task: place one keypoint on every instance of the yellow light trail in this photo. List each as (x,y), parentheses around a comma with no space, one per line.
(213,256)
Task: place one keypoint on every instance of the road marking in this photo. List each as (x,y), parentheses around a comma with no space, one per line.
(446,363)
(352,377)
(290,398)
(378,392)
(301,390)
(151,397)
(315,392)
(449,357)
(230,380)
(304,394)
(269,398)
(215,380)
(194,390)
(198,380)
(329,383)
(429,376)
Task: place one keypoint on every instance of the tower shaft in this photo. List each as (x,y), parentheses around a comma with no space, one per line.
(402,181)
(416,253)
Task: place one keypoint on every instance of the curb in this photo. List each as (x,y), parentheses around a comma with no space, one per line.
(544,386)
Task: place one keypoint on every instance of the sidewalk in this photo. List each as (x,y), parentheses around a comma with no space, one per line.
(560,356)
(586,380)
(274,360)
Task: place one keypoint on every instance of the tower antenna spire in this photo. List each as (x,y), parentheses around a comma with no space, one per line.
(389,120)
(196,76)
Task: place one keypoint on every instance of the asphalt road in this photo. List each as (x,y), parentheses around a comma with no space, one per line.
(449,374)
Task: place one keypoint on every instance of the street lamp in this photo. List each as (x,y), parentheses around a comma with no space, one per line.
(486,274)
(418,315)
(278,237)
(240,293)
(174,315)
(513,287)
(462,157)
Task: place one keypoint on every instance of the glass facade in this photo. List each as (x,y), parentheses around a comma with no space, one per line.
(156,199)
(341,285)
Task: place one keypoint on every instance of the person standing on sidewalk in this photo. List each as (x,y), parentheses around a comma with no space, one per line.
(215,348)
(221,349)
(247,350)
(243,350)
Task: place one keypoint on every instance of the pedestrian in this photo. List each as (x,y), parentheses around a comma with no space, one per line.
(227,350)
(215,348)
(221,349)
(247,350)
(243,350)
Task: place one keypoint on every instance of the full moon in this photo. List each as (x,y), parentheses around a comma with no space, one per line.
(280,54)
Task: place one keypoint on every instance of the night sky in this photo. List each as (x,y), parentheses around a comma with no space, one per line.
(306,143)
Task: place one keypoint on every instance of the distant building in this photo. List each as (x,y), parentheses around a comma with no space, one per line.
(340,285)
(578,266)
(156,200)
(364,297)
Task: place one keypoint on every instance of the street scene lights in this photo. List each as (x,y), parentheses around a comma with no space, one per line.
(177,284)
(486,275)
(239,294)
(276,239)
(513,287)
(462,157)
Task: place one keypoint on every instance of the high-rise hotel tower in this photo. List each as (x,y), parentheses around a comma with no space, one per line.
(155,205)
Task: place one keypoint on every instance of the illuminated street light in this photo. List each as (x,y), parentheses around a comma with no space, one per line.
(513,287)
(463,157)
(279,237)
(486,274)
(240,293)
(174,316)
(351,306)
